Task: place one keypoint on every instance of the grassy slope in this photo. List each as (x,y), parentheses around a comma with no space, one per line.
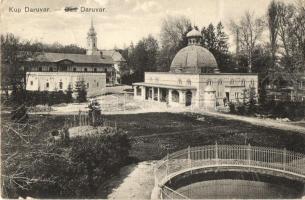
(155,134)
(166,132)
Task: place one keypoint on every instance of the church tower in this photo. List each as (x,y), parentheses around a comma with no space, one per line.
(92,41)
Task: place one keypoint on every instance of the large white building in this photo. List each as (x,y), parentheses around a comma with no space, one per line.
(59,71)
(194,80)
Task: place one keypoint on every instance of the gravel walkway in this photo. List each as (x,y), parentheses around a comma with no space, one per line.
(135,181)
(260,122)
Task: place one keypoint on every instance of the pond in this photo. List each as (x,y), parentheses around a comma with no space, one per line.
(238,189)
(228,184)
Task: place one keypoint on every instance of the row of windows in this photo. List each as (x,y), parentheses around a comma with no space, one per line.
(188,82)
(61,84)
(209,82)
(232,82)
(51,69)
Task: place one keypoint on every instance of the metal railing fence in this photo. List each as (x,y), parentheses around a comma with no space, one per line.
(226,155)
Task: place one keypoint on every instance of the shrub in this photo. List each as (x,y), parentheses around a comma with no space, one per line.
(284,109)
(81,91)
(72,169)
(241,109)
(45,97)
(232,108)
(95,113)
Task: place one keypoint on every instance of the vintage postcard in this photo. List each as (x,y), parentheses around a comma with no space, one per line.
(152,99)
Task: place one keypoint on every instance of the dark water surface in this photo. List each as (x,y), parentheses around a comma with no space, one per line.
(237,189)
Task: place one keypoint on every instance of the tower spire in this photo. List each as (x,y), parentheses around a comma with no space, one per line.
(92,41)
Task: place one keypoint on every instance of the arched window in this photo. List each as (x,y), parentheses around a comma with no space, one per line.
(51,69)
(85,69)
(180,82)
(87,85)
(232,82)
(175,96)
(60,85)
(40,69)
(74,69)
(189,82)
(96,84)
(243,82)
(219,82)
(252,83)
(47,85)
(209,82)
(95,70)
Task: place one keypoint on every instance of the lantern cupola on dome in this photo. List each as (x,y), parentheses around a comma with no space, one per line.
(194,58)
(194,37)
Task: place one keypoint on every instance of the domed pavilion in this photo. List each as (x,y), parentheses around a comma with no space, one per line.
(195,80)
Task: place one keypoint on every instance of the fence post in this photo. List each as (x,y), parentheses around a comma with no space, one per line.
(216,152)
(79,119)
(167,166)
(189,156)
(249,154)
(284,158)
(155,175)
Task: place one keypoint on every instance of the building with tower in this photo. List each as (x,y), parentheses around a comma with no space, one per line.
(61,71)
(195,80)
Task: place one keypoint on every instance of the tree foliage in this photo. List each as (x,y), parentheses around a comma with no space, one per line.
(34,165)
(14,54)
(142,58)
(216,41)
(249,29)
(172,38)
(81,91)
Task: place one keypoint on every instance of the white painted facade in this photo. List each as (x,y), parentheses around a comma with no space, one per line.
(56,81)
(202,87)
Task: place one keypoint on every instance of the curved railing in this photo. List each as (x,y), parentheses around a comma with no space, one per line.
(279,160)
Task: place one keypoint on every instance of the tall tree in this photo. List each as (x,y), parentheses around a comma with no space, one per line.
(250,29)
(143,57)
(14,53)
(286,13)
(273,26)
(216,41)
(292,36)
(81,91)
(173,38)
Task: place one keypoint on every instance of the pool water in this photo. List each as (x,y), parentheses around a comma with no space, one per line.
(238,189)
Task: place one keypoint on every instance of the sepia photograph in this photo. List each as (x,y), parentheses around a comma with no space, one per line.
(152,99)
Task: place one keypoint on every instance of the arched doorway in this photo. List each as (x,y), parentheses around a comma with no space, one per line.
(188,98)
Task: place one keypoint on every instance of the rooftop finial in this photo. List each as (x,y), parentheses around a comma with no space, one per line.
(91,22)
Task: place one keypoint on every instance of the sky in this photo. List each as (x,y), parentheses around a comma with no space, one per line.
(122,21)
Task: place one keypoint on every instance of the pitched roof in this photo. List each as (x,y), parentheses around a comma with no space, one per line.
(115,55)
(76,58)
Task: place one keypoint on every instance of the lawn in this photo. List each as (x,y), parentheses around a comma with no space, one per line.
(155,134)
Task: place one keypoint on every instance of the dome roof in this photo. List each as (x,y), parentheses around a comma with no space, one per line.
(192,59)
(193,33)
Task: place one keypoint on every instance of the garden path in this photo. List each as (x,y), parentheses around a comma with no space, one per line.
(271,123)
